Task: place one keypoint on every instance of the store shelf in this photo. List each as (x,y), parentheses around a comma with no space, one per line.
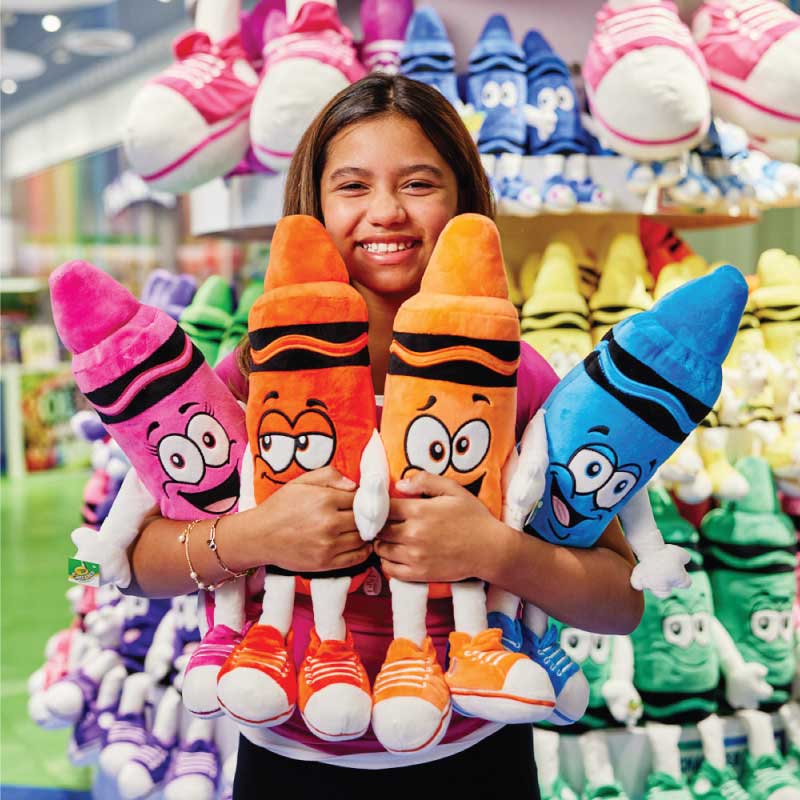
(20,285)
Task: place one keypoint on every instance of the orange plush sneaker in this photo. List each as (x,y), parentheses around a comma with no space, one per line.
(492,683)
(411,704)
(257,685)
(333,690)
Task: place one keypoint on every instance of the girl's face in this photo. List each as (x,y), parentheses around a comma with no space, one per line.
(386,196)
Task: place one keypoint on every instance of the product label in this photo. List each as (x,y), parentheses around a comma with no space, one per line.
(85,573)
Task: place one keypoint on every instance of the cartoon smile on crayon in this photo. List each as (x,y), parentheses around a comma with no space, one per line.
(588,484)
(198,457)
(289,446)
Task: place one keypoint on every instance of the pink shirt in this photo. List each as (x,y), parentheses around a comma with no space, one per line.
(369,619)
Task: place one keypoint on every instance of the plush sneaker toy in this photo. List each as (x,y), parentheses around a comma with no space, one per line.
(303,70)
(646,80)
(180,426)
(449,409)
(496,86)
(311,404)
(655,375)
(752,48)
(190,123)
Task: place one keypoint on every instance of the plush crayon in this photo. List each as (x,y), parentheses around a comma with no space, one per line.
(181,428)
(311,404)
(450,409)
(606,428)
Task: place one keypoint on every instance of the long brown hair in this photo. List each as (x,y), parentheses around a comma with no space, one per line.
(373,96)
(377,95)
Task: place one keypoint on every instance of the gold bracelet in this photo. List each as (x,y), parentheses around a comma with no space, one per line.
(212,546)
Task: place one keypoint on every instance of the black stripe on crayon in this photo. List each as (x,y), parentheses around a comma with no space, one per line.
(334,332)
(107,395)
(156,391)
(429,342)
(466,373)
(299,358)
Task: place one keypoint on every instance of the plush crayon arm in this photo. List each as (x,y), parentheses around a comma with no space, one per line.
(621,697)
(661,566)
(745,686)
(524,474)
(161,652)
(108,546)
(371,502)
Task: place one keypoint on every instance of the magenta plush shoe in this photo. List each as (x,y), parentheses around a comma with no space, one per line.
(384,24)
(752,48)
(646,81)
(200,680)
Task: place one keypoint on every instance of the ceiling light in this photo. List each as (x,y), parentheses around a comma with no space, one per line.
(97,41)
(164,1)
(8,86)
(51,23)
(20,65)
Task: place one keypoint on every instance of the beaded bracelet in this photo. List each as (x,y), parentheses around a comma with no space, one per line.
(212,546)
(184,539)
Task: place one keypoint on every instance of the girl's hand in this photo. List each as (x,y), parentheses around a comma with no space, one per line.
(305,526)
(447,535)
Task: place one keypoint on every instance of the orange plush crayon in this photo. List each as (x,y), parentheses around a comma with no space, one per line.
(311,404)
(450,409)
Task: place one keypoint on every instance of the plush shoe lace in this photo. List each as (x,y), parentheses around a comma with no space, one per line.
(647,19)
(767,774)
(198,69)
(552,656)
(333,662)
(753,18)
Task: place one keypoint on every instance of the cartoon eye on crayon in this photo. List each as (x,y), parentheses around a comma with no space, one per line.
(605,429)
(311,404)
(180,427)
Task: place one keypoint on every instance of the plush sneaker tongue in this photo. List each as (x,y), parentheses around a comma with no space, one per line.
(88,305)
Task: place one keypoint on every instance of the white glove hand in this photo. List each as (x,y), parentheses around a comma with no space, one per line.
(544,120)
(745,686)
(112,558)
(158,661)
(623,701)
(662,571)
(371,502)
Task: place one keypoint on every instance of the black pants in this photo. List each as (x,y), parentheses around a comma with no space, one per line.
(501,765)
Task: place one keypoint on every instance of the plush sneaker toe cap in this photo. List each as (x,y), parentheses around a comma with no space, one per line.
(134,781)
(198,787)
(200,691)
(251,697)
(408,724)
(115,756)
(338,712)
(572,701)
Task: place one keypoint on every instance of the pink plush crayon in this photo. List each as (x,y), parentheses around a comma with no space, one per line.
(173,417)
(181,428)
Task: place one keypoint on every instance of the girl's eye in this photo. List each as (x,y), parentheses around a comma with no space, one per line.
(419,185)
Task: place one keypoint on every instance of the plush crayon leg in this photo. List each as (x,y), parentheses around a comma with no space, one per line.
(128,731)
(411,702)
(333,689)
(540,642)
(202,671)
(257,685)
(485,679)
(726,482)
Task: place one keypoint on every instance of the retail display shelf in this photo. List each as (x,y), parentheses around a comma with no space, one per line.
(248,206)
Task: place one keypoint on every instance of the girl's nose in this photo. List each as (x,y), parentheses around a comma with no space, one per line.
(386,209)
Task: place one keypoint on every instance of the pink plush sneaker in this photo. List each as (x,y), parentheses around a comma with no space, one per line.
(200,680)
(190,123)
(752,48)
(303,70)
(646,81)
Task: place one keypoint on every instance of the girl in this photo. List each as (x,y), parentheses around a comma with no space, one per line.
(384,167)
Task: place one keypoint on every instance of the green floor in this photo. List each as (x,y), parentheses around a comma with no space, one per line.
(38,514)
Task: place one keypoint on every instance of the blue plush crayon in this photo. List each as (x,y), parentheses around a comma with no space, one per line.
(617,416)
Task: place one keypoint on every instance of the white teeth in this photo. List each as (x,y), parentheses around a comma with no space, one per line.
(384,247)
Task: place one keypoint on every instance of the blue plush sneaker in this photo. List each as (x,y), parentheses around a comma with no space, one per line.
(552,113)
(591,197)
(518,197)
(496,86)
(427,55)
(147,769)
(569,683)
(558,195)
(511,628)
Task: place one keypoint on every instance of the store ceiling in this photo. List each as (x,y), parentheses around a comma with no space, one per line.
(90,32)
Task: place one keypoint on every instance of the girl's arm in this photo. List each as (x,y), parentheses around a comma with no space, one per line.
(449,535)
(305,526)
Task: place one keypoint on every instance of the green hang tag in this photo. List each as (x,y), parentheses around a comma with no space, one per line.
(84,573)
